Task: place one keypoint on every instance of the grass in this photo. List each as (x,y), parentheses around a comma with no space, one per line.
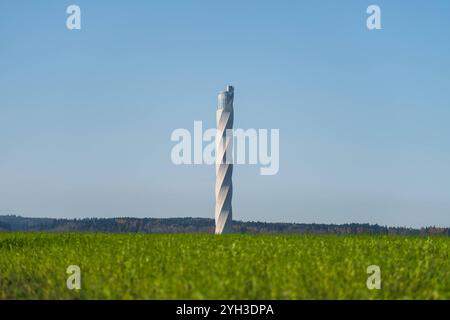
(146,266)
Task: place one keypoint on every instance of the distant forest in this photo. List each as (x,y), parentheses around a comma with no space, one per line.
(198,225)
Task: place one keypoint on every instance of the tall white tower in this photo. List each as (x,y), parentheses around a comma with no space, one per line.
(224,160)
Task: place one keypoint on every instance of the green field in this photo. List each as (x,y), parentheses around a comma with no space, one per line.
(187,266)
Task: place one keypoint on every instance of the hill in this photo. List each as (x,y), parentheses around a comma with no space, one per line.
(197,225)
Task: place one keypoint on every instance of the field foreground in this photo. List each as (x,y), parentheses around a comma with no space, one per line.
(188,266)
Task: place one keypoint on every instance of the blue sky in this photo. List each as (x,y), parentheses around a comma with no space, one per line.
(86,115)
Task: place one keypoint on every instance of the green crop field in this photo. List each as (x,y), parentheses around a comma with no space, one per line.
(187,266)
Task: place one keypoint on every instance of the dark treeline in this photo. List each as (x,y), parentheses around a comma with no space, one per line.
(198,225)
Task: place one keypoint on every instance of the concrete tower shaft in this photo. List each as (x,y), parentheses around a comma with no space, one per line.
(224,161)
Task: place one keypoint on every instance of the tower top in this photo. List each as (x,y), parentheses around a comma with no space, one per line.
(225,98)
(228,89)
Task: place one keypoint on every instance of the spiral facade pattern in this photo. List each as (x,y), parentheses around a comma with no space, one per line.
(224,161)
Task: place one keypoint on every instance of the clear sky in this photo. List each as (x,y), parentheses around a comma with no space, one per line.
(86,115)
